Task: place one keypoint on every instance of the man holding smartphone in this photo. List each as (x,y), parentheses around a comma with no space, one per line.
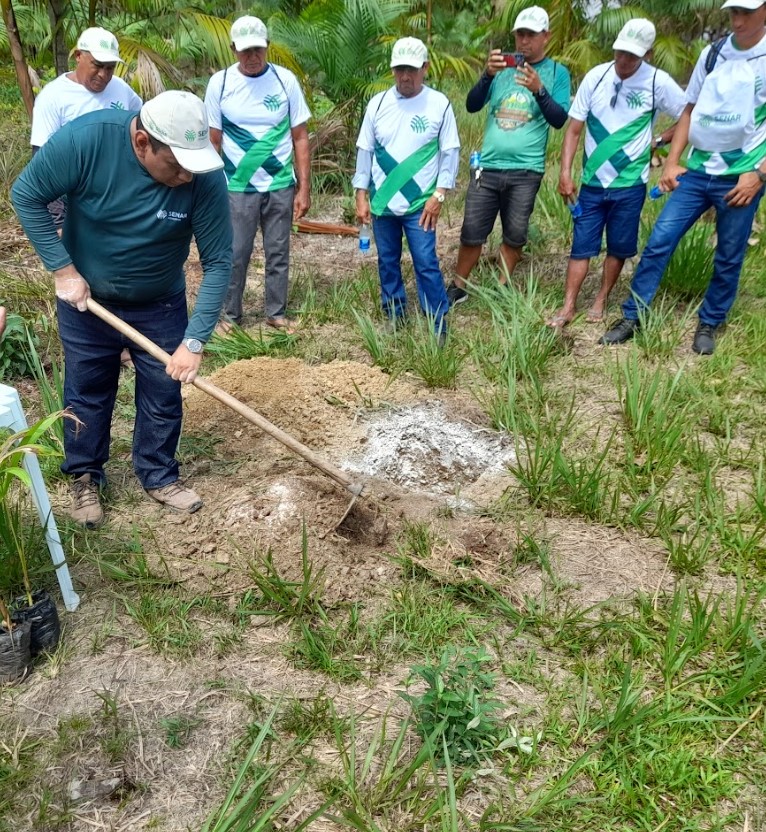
(527,93)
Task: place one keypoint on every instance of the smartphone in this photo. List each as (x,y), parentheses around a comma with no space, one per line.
(513,59)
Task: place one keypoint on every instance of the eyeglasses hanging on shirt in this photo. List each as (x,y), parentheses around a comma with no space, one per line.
(617,88)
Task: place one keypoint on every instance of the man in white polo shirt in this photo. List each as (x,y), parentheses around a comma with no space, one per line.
(616,105)
(724,123)
(258,117)
(407,159)
(92,86)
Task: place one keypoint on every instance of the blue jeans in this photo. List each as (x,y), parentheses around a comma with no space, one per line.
(92,362)
(431,292)
(616,209)
(696,192)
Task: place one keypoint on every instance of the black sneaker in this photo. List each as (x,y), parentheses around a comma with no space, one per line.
(621,332)
(704,339)
(455,294)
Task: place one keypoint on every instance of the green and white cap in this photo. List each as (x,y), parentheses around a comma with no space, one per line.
(179,120)
(409,52)
(248,32)
(636,36)
(101,44)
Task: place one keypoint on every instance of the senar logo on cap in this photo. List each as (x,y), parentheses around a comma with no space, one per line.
(179,120)
(101,44)
(636,36)
(534,18)
(409,52)
(249,32)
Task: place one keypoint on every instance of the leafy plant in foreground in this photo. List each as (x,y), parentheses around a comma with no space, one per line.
(457,707)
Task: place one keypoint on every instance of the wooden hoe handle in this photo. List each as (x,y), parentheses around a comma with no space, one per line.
(226,398)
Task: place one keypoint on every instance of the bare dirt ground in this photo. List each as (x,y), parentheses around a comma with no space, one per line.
(258,499)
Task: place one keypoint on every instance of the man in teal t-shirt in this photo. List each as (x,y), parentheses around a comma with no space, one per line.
(525,98)
(138,187)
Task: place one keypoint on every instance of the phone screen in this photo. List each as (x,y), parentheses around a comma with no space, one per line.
(513,59)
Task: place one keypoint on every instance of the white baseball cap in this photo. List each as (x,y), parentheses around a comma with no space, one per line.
(636,36)
(743,4)
(101,44)
(409,52)
(534,18)
(179,120)
(247,32)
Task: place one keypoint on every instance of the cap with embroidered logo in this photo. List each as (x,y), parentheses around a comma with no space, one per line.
(249,32)
(534,18)
(636,36)
(409,52)
(101,44)
(179,120)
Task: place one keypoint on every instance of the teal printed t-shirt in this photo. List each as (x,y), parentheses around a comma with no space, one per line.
(127,234)
(516,133)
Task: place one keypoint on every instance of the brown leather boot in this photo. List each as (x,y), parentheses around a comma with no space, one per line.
(177,497)
(86,505)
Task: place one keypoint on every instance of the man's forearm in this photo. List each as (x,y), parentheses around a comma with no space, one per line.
(302,158)
(569,146)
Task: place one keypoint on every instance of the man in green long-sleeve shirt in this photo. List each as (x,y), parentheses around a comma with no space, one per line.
(138,186)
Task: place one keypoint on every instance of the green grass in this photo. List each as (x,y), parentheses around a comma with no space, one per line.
(641,711)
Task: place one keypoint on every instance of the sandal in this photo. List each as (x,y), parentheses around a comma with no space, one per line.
(558,321)
(283,324)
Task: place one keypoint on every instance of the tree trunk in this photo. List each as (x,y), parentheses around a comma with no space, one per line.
(56,13)
(17,51)
(428,22)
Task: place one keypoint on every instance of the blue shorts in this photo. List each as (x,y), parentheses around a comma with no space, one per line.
(616,209)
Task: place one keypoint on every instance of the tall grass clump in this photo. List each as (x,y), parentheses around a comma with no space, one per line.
(516,338)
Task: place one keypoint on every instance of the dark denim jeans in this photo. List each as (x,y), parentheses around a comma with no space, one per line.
(696,192)
(510,193)
(92,368)
(616,209)
(431,292)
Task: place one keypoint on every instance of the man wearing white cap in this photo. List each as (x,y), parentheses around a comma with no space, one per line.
(407,159)
(617,105)
(258,117)
(527,93)
(724,123)
(139,186)
(92,86)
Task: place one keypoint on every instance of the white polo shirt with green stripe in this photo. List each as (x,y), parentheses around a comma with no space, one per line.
(256,116)
(405,137)
(618,138)
(733,162)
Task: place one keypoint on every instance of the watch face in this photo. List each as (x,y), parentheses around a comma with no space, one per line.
(194,345)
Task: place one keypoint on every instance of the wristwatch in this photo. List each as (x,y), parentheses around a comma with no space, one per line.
(439,196)
(761,175)
(194,345)
(659,142)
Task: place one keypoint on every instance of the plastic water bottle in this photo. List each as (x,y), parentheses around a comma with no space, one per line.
(364,238)
(656,193)
(575,209)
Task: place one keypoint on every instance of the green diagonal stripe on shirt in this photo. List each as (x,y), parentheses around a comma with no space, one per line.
(630,173)
(615,143)
(411,190)
(257,154)
(748,161)
(402,174)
